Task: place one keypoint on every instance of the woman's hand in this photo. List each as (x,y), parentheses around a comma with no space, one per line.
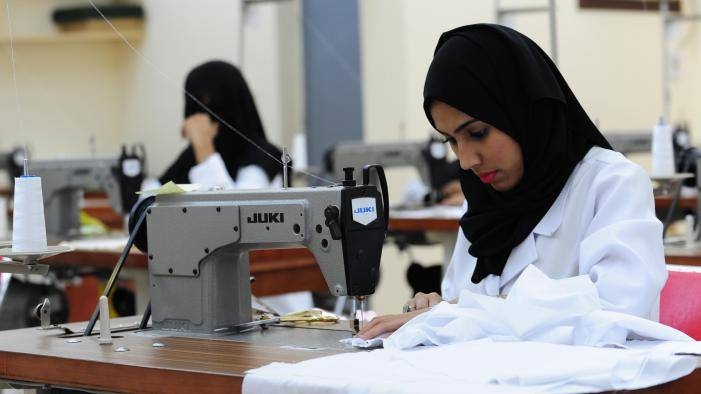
(389,323)
(386,324)
(423,301)
(200,131)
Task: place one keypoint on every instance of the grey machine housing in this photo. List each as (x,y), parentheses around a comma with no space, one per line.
(388,154)
(198,246)
(63,182)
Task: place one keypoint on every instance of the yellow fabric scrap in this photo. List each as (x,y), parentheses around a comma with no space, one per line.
(171,188)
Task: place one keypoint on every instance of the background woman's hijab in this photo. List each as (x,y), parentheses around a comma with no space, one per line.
(221,87)
(501,77)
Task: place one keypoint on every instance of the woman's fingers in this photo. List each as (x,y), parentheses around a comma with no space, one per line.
(385,324)
(423,301)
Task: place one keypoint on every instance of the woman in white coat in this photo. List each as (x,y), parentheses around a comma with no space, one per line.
(542,184)
(216,155)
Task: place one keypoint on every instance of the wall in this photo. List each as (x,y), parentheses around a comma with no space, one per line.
(65,96)
(72,91)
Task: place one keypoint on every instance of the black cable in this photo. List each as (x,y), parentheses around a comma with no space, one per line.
(115,273)
(145,317)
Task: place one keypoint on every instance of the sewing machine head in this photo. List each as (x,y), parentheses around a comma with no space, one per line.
(198,243)
(65,180)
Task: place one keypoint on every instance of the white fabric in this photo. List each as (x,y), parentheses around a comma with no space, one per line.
(563,311)
(602,225)
(213,172)
(475,367)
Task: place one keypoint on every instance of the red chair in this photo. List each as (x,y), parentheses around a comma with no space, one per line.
(680,303)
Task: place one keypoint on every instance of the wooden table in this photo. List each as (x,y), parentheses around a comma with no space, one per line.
(182,365)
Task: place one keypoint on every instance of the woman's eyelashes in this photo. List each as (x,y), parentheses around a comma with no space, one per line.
(474,135)
(479,134)
(449,140)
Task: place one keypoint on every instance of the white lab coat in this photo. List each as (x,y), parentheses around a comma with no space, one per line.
(602,224)
(212,172)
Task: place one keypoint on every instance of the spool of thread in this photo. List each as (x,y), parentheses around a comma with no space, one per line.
(4,221)
(662,150)
(299,152)
(28,225)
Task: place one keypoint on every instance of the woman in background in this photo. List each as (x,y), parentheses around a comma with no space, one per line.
(542,184)
(216,155)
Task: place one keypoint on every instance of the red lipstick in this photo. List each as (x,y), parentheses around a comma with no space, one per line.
(487,177)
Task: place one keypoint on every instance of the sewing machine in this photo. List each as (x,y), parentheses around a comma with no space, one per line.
(428,157)
(11,162)
(65,180)
(197,245)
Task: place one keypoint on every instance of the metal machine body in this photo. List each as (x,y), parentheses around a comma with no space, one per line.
(65,180)
(198,246)
(391,154)
(628,143)
(11,162)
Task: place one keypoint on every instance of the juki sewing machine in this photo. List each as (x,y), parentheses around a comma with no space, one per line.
(65,180)
(197,245)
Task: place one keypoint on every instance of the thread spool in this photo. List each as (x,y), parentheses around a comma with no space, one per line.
(662,150)
(28,224)
(299,152)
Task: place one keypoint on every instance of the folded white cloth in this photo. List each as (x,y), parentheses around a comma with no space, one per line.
(546,336)
(482,366)
(362,343)
(564,311)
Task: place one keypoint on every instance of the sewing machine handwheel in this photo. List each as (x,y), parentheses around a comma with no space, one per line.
(140,208)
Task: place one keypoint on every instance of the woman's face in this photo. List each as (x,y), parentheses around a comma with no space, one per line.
(493,155)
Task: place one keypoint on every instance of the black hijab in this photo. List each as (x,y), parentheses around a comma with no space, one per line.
(221,87)
(501,77)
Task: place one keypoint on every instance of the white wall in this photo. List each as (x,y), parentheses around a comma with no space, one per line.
(179,35)
(72,91)
(64,95)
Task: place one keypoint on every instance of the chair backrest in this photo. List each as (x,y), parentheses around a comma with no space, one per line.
(680,303)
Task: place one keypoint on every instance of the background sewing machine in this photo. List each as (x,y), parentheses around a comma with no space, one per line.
(429,158)
(65,180)
(11,163)
(198,243)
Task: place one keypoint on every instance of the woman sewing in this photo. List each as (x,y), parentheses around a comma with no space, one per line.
(217,155)
(542,185)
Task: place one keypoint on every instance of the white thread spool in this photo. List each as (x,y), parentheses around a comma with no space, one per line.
(299,152)
(28,225)
(4,221)
(662,150)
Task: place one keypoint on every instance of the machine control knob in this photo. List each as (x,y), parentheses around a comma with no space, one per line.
(331,213)
(348,175)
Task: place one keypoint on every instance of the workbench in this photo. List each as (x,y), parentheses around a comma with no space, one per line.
(35,356)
